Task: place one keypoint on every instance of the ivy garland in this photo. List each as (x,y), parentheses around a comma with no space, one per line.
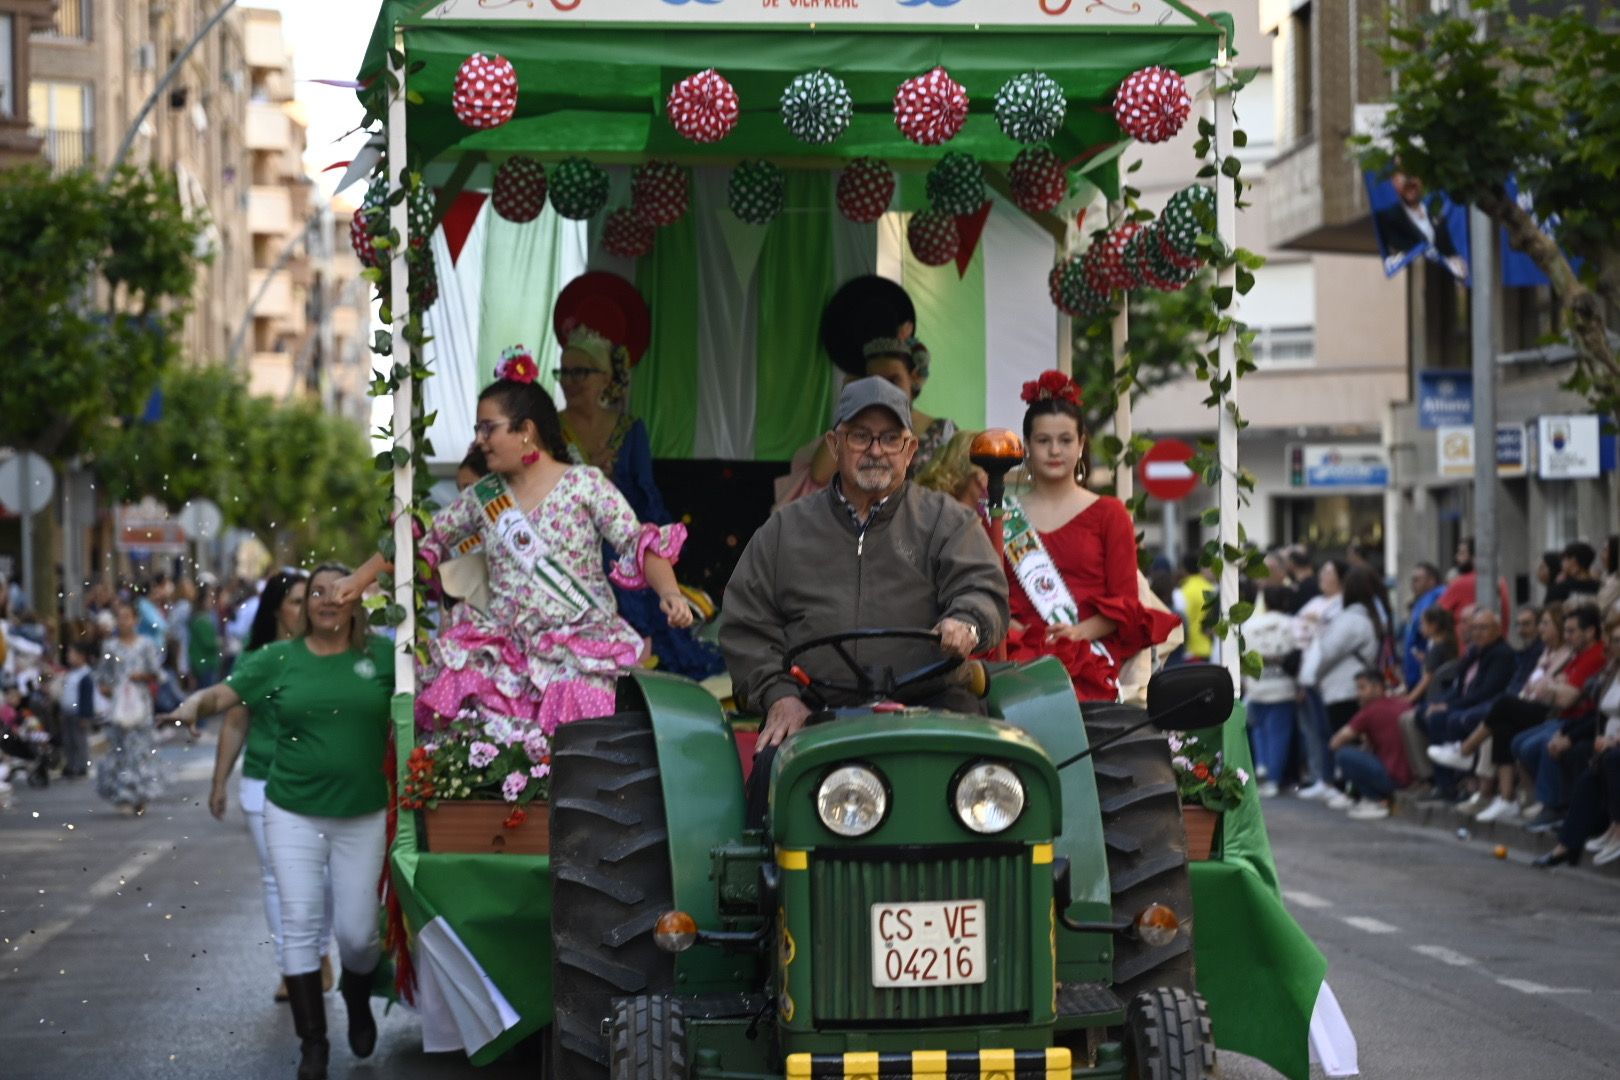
(1219,320)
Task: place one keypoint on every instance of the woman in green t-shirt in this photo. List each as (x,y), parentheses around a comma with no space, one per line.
(202,637)
(325,800)
(280,611)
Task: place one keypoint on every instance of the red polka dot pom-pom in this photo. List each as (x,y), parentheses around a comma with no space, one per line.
(486,91)
(626,234)
(1039,181)
(865,189)
(364,249)
(703,107)
(933,237)
(1152,104)
(1107,267)
(930,109)
(519,191)
(661,192)
(1071,290)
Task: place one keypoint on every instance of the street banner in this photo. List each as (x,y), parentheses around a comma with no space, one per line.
(1412,224)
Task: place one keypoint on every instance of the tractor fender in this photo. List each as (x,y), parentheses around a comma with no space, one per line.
(704,804)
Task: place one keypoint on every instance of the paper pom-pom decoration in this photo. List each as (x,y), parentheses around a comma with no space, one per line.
(626,234)
(817,107)
(933,237)
(420,217)
(930,109)
(758,191)
(1184,220)
(364,249)
(1072,291)
(1030,107)
(1152,104)
(519,191)
(1039,181)
(424,282)
(956,184)
(703,107)
(486,91)
(865,189)
(579,189)
(661,192)
(1107,268)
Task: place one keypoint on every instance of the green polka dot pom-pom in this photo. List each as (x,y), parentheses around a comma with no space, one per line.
(1030,107)
(375,203)
(421,217)
(424,282)
(816,108)
(1145,258)
(757,192)
(1184,218)
(579,189)
(956,184)
(1071,289)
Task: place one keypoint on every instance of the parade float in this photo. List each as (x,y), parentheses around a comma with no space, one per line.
(738,160)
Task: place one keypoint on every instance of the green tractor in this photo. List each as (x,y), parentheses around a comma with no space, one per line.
(931,895)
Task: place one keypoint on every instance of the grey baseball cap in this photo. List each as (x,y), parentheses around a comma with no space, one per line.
(872,392)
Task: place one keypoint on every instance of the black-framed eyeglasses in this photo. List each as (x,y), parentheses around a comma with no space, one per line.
(485,428)
(860,439)
(561,373)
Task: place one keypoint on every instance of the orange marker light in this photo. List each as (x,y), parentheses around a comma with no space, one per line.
(1157,925)
(675,931)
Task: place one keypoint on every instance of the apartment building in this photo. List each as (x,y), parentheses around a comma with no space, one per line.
(305,333)
(19,21)
(1556,471)
(1330,344)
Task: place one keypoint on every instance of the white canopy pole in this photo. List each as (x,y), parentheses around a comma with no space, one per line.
(1226,366)
(399,308)
(1123,477)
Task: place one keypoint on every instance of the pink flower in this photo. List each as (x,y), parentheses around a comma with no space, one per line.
(540,771)
(535,745)
(513,785)
(481,754)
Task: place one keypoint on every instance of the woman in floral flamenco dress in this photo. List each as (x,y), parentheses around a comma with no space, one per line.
(1071,555)
(551,644)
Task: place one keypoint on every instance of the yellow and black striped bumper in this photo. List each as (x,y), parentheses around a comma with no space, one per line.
(1055,1063)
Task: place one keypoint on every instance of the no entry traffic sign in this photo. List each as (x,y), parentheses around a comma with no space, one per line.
(1165,472)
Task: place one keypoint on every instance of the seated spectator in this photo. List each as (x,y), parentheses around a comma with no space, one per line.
(1553,685)
(1369,751)
(1269,696)
(1574,573)
(1484,673)
(1593,821)
(1439,634)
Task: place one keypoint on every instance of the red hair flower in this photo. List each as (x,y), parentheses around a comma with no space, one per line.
(1051,386)
(517,365)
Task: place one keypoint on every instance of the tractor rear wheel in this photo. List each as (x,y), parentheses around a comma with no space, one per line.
(1147,847)
(648,1039)
(1168,1036)
(610,880)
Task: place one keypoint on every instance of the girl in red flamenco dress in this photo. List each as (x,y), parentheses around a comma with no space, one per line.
(1071,555)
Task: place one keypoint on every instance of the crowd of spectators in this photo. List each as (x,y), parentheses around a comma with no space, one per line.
(69,684)
(1357,700)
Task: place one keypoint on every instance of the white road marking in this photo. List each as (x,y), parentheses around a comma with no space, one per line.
(1525,986)
(1306,900)
(1370,925)
(1445,955)
(107,885)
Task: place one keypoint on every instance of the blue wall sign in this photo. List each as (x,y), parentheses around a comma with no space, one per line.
(1444,398)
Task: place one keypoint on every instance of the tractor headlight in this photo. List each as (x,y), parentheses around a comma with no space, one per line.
(989,798)
(852,800)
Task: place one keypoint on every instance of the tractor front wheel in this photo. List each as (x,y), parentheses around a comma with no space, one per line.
(1169,1036)
(610,880)
(648,1039)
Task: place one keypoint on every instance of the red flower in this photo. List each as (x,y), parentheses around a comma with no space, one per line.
(1052,385)
(1201,771)
(517,817)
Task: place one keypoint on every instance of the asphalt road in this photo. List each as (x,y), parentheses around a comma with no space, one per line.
(136,948)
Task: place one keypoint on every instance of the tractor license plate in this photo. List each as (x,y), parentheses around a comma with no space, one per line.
(933,944)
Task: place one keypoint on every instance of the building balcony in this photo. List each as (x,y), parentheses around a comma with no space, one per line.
(270,374)
(268,127)
(270,211)
(1317,201)
(65,151)
(278,302)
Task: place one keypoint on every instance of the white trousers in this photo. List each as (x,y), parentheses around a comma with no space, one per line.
(306,852)
(251,795)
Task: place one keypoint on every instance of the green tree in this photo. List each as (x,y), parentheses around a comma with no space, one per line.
(1165,342)
(186,453)
(1536,101)
(94,283)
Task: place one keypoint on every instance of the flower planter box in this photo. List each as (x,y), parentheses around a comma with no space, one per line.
(478,827)
(1202,825)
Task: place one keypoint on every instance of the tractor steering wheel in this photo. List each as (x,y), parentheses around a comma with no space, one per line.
(867,687)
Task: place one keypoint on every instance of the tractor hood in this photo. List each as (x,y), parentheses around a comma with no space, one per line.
(919,755)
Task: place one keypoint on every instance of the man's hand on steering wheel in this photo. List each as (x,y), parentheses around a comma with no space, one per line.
(957,638)
(781,720)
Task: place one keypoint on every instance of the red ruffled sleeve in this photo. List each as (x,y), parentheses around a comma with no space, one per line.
(1119,601)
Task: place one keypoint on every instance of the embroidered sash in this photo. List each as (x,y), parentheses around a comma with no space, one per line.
(1035,570)
(505,520)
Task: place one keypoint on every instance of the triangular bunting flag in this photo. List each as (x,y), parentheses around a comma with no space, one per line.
(459,219)
(970,230)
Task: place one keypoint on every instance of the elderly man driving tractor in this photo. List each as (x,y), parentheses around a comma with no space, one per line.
(873,550)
